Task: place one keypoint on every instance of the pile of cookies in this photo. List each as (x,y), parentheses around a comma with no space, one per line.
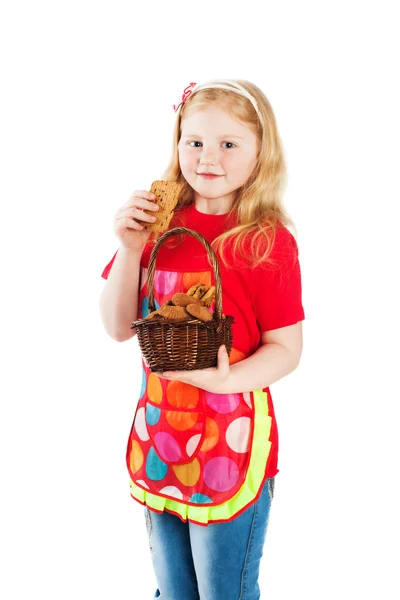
(183,307)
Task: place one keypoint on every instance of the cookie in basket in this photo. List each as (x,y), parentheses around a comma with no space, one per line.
(167,194)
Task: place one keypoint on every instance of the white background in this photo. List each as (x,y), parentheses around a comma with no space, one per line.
(87,118)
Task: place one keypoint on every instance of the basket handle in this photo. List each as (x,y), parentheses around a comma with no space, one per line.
(211,253)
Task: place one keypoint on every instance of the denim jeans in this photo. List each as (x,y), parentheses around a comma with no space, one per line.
(217,562)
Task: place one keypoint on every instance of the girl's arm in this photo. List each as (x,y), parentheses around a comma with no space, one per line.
(119,299)
(278,355)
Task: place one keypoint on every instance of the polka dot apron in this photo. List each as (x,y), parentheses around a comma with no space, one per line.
(199,455)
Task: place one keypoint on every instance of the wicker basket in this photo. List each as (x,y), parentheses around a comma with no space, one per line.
(189,345)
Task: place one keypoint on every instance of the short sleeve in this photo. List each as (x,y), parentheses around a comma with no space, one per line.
(276,290)
(107,269)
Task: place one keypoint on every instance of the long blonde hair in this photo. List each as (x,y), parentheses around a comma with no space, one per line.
(258,205)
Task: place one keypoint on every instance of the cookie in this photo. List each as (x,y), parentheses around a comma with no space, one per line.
(167,195)
(174,314)
(200,312)
(180,299)
(194,288)
(209,297)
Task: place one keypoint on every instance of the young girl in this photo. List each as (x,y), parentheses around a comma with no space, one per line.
(207,479)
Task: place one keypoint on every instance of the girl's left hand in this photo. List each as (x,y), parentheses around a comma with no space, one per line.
(211,379)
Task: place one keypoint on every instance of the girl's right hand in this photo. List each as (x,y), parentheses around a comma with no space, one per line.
(127,227)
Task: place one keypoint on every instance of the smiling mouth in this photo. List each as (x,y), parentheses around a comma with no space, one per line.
(208,175)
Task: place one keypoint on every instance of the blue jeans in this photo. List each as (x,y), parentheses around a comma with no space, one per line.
(217,562)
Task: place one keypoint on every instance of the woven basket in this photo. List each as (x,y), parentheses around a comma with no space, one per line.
(189,345)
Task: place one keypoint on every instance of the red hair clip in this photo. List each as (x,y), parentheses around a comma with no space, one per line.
(186,93)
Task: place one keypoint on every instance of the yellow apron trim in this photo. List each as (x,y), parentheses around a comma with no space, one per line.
(204,514)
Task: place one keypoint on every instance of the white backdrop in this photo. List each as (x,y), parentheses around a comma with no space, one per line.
(86,119)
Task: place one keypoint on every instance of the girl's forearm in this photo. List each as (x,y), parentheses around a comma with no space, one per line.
(119,299)
(267,365)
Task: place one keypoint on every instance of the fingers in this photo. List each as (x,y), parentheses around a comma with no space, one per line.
(126,223)
(135,213)
(132,211)
(141,199)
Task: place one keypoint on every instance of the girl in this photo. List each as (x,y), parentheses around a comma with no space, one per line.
(207,480)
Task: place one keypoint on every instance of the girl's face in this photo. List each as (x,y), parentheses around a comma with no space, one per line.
(213,141)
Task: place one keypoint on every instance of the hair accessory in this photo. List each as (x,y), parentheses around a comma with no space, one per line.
(186,93)
(224,84)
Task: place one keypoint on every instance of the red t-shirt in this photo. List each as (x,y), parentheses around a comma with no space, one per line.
(260,299)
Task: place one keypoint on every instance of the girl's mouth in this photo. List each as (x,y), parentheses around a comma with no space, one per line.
(208,175)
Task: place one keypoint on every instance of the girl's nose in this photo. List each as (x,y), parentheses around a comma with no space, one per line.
(209,156)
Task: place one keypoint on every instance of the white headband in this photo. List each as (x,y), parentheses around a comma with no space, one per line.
(224,84)
(232,87)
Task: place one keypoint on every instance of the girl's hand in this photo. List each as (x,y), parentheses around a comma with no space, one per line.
(211,379)
(127,219)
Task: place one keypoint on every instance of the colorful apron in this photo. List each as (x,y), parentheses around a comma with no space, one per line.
(198,455)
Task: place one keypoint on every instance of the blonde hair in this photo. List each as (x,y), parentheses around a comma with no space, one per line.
(258,205)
